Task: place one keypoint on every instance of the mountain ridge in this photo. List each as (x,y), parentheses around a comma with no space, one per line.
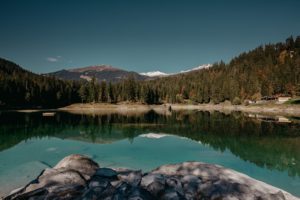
(100,72)
(163,74)
(266,71)
(110,73)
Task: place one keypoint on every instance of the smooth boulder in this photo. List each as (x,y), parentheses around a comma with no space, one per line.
(80,163)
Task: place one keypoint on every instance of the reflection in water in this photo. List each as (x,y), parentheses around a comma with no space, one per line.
(266,144)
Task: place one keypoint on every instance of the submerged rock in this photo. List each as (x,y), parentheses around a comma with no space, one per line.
(78,177)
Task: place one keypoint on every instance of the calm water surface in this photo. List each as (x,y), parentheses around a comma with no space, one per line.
(264,149)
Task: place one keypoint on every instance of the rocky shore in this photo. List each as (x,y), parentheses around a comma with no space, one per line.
(78,177)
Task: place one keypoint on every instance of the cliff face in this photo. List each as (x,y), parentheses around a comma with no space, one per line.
(78,177)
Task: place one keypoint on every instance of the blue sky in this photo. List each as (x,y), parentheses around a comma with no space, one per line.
(139,35)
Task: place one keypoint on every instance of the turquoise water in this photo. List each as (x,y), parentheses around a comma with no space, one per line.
(268,151)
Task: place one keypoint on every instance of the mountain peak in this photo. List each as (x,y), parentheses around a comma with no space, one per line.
(154,74)
(100,72)
(95,68)
(205,66)
(162,74)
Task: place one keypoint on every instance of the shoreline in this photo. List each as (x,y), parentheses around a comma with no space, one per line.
(136,108)
(268,109)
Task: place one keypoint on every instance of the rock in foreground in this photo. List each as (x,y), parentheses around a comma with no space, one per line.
(78,177)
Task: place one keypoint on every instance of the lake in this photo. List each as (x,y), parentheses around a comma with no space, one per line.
(265,148)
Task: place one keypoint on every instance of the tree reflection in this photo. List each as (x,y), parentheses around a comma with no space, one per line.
(267,144)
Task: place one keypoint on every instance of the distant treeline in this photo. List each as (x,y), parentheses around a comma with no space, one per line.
(272,69)
(265,71)
(21,88)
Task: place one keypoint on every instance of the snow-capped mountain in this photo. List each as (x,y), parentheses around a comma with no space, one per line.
(205,66)
(162,74)
(112,74)
(154,74)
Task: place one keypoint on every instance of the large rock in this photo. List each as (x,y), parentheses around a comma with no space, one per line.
(69,177)
(216,182)
(131,177)
(78,177)
(80,163)
(106,172)
(154,183)
(53,178)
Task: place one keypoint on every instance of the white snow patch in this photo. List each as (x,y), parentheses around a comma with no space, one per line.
(197,68)
(162,74)
(154,73)
(86,77)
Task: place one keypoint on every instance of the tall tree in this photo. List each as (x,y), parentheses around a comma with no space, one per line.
(103,92)
(111,95)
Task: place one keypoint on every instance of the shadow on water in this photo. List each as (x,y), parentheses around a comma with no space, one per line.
(268,144)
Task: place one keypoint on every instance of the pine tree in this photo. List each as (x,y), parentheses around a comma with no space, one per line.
(83,93)
(111,96)
(297,42)
(103,92)
(130,85)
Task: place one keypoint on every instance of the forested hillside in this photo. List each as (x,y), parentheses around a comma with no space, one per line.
(266,70)
(21,88)
(272,69)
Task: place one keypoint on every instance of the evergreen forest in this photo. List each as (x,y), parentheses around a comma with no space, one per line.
(268,70)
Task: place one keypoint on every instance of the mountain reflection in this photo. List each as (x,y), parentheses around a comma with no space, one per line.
(266,143)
